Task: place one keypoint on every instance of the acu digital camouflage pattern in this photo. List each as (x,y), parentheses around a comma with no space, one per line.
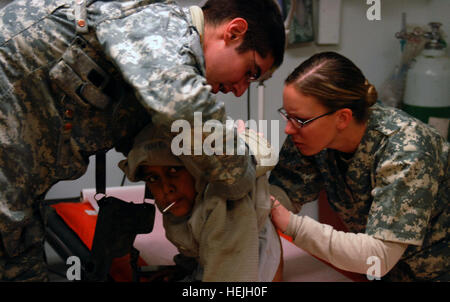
(49,126)
(395,187)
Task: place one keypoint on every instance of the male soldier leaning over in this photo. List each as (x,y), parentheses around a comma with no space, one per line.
(78,78)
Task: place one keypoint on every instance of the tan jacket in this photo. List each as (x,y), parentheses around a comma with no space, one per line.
(224,234)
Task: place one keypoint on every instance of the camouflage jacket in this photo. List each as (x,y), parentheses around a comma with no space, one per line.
(395,187)
(64,96)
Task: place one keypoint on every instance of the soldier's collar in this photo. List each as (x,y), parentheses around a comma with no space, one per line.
(198,20)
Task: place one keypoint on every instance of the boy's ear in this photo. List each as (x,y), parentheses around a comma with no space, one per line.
(235,30)
(138,173)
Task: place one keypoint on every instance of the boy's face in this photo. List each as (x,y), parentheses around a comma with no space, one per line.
(170,184)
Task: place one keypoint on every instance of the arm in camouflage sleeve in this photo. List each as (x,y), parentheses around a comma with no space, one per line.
(160,55)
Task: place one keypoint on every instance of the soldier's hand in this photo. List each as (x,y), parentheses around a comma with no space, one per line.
(280,215)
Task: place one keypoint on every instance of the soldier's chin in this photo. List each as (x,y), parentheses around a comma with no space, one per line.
(304,150)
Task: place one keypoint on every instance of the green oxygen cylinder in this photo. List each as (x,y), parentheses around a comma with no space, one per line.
(427,91)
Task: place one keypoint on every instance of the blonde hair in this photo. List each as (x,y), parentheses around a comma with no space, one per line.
(372,94)
(336,82)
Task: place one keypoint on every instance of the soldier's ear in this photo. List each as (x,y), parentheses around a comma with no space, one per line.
(235,30)
(344,117)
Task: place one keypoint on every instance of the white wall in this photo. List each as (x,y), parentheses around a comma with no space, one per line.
(370,44)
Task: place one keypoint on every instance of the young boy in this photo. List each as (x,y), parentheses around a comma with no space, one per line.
(231,240)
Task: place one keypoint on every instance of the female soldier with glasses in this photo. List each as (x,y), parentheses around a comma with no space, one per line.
(384,172)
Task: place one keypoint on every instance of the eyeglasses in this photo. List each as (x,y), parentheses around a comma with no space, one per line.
(255,74)
(298,122)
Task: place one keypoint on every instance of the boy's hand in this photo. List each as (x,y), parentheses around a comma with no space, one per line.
(241,128)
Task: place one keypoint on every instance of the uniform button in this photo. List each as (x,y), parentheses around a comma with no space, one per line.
(81,23)
(68,113)
(68,126)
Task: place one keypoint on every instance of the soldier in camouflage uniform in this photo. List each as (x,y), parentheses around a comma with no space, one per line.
(81,76)
(385,174)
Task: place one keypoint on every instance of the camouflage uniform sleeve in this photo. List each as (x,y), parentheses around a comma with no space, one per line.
(297,175)
(160,55)
(406,184)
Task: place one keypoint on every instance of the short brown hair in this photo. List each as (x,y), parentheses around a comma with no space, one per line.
(265,32)
(336,82)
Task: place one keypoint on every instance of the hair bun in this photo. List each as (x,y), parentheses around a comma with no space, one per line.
(371,94)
